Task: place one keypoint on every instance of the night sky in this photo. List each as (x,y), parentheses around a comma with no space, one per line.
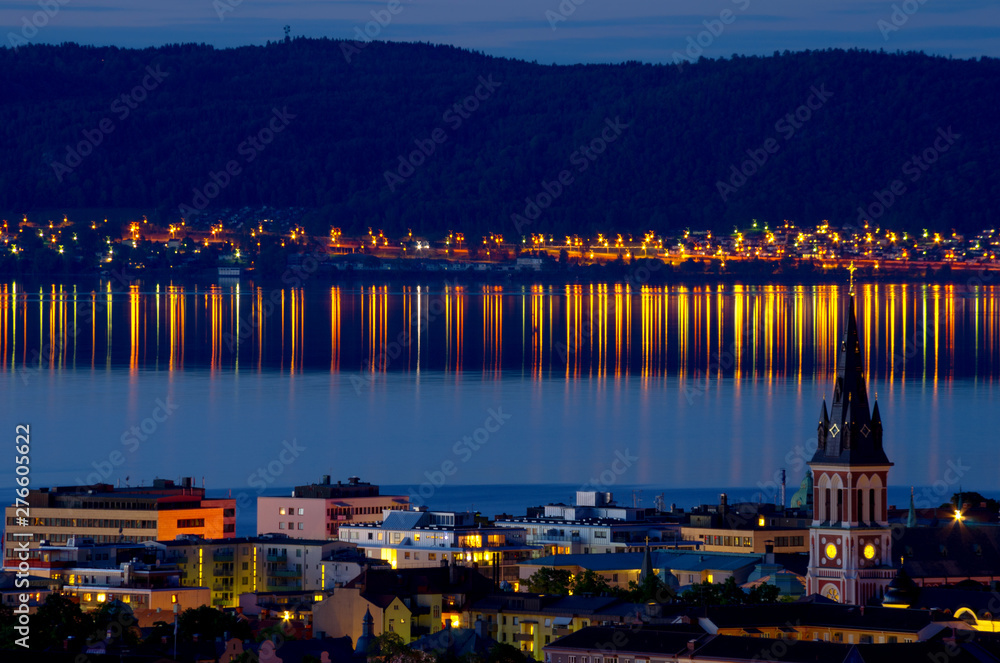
(549,31)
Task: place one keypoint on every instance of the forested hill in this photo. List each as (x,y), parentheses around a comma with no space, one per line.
(325,132)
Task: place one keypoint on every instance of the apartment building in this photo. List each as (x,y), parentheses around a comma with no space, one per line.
(106,514)
(316,511)
(266,563)
(432,538)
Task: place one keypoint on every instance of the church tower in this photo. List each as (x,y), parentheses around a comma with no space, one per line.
(849,542)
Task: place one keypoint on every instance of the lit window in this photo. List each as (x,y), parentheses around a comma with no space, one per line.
(301,511)
(281,511)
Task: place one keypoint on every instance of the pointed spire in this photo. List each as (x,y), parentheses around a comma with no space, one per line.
(911,517)
(852,433)
(647,563)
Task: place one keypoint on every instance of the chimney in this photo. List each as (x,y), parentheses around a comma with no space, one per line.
(692,644)
(326,479)
(769,553)
(480,627)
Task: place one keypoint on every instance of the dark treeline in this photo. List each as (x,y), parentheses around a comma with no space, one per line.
(190,109)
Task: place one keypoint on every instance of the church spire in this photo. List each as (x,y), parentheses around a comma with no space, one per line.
(911,517)
(852,432)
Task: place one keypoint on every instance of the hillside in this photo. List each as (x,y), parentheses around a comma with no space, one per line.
(670,135)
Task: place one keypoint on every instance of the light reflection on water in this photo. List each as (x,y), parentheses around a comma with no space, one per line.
(709,386)
(909,331)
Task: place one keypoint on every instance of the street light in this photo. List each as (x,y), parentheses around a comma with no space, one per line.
(177,610)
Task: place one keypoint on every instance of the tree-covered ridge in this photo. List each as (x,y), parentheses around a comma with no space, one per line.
(478,135)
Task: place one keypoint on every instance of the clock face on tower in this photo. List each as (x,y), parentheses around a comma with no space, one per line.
(831,551)
(869,551)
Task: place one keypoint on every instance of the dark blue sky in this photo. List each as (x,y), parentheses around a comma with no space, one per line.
(543,30)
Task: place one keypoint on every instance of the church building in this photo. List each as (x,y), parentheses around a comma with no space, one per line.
(850,545)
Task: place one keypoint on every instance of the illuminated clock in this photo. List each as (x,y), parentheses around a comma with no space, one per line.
(869,551)
(831,551)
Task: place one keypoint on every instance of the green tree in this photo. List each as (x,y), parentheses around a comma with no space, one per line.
(703,594)
(763,593)
(502,652)
(390,648)
(591,582)
(114,622)
(209,623)
(550,581)
(57,619)
(651,588)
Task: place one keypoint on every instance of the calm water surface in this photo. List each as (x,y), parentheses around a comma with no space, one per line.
(705,386)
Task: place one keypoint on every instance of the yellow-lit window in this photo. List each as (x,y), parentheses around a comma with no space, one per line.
(101,598)
(173,598)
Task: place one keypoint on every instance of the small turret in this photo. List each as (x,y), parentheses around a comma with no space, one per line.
(823,427)
(647,564)
(367,639)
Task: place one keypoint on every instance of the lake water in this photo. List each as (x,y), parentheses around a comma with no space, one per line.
(666,389)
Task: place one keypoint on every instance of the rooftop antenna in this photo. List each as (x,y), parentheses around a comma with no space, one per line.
(782,489)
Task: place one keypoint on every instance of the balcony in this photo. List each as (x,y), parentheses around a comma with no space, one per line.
(560,631)
(285,573)
(535,538)
(223,557)
(278,558)
(523,637)
(284,586)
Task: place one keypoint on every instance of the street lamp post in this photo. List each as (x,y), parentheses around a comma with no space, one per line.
(177,610)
